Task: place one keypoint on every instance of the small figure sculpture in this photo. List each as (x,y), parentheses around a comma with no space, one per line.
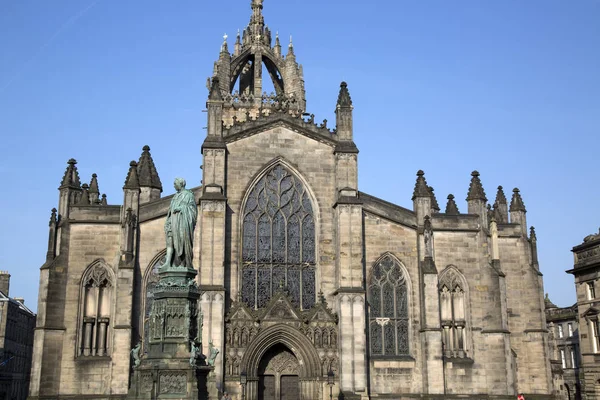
(212,354)
(135,354)
(428,236)
(200,326)
(179,227)
(194,352)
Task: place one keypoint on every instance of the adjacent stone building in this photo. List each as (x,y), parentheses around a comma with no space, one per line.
(17,323)
(563,328)
(587,277)
(304,280)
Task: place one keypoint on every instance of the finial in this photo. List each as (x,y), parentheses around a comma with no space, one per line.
(344,99)
(215,90)
(71,177)
(84,200)
(53,217)
(516,203)
(94,184)
(421,189)
(532,234)
(146,170)
(476,191)
(225,37)
(132,182)
(103,202)
(451,208)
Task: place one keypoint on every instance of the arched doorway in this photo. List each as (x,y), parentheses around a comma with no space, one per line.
(278,375)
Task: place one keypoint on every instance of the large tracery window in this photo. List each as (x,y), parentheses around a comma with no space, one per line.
(278,241)
(96,293)
(453,313)
(388,301)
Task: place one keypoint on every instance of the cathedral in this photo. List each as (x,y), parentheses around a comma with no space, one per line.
(294,284)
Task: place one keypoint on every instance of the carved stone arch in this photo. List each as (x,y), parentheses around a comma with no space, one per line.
(303,349)
(400,264)
(274,67)
(451,276)
(93,271)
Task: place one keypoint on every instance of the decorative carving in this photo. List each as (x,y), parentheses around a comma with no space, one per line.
(173,382)
(212,354)
(213,205)
(98,276)
(594,251)
(135,355)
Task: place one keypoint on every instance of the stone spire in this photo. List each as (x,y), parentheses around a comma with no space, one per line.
(533,244)
(257,21)
(421,188)
(277,47)
(132,181)
(434,203)
(344,99)
(290,52)
(224,48)
(69,189)
(237,48)
(516,203)
(343,114)
(147,174)
(71,177)
(148,177)
(477,201)
(94,190)
(476,191)
(451,208)
(215,91)
(518,211)
(501,207)
(84,200)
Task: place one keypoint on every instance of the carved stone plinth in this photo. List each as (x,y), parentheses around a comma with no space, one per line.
(172,368)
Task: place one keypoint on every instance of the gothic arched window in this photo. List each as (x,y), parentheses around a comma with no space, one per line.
(151,281)
(453,312)
(388,302)
(96,304)
(278,241)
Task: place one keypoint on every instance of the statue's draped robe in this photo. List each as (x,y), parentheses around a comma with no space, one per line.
(181,224)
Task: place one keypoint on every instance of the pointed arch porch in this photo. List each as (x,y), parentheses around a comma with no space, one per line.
(303,349)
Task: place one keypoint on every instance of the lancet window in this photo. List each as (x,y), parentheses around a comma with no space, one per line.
(278,241)
(388,312)
(453,313)
(96,295)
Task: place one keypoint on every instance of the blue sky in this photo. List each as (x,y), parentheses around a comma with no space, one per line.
(510,88)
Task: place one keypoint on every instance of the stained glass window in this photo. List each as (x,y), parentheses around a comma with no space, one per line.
(388,316)
(278,241)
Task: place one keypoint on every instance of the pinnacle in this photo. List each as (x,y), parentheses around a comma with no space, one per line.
(344,99)
(132,182)
(434,203)
(516,204)
(84,200)
(215,91)
(421,188)
(94,184)
(71,177)
(500,197)
(451,208)
(146,171)
(532,234)
(476,191)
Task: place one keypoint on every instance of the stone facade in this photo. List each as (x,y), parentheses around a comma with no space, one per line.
(563,329)
(303,279)
(587,274)
(17,323)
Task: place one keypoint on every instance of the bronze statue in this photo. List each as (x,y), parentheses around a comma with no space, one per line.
(179,227)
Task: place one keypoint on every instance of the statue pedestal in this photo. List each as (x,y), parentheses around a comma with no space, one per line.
(173,380)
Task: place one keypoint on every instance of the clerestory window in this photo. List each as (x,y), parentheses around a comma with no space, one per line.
(278,241)
(388,305)
(96,295)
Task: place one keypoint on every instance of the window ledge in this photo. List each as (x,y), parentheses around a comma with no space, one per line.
(393,358)
(92,358)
